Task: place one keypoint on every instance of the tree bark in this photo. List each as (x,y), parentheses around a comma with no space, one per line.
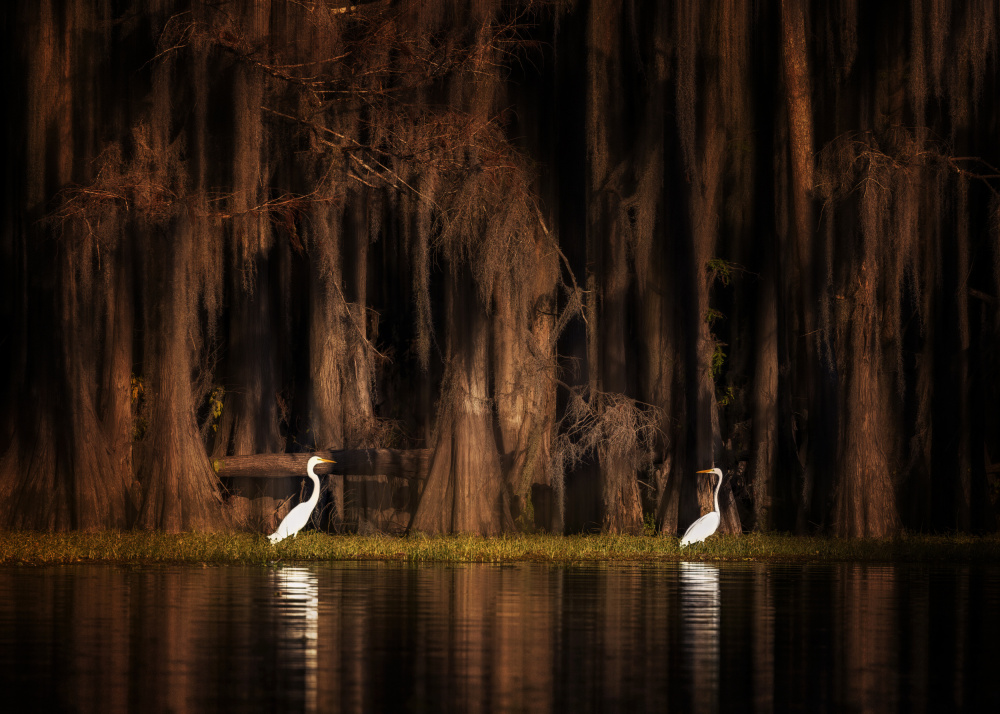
(763,464)
(865,498)
(463,493)
(367,502)
(799,280)
(523,372)
(620,492)
(607,248)
(180,491)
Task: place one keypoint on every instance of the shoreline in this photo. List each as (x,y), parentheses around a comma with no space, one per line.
(152,547)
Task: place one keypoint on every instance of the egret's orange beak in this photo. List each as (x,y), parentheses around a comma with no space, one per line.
(706,471)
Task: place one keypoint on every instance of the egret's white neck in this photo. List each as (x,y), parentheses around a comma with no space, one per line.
(314,497)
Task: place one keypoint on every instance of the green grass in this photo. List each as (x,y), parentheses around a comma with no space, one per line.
(245,548)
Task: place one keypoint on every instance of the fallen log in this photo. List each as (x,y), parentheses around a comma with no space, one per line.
(401,463)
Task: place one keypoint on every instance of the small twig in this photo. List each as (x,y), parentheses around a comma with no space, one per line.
(357,327)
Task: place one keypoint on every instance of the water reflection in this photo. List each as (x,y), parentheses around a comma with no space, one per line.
(527,638)
(296,595)
(868,630)
(701,603)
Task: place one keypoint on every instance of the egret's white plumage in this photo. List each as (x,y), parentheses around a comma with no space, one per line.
(709,523)
(299,516)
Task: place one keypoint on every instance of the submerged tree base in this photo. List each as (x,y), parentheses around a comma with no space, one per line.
(144,548)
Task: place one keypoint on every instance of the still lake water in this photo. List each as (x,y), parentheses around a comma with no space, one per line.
(367,637)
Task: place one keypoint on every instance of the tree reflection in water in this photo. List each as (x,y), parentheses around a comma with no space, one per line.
(527,637)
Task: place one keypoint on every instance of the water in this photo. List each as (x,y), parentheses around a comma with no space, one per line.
(369,637)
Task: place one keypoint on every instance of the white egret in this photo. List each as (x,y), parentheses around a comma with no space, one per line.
(709,523)
(299,516)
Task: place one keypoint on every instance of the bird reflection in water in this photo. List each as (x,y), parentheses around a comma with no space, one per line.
(296,593)
(701,607)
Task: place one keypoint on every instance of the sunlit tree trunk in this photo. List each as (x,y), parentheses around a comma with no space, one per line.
(180,490)
(116,403)
(524,379)
(326,428)
(463,493)
(621,500)
(326,307)
(865,501)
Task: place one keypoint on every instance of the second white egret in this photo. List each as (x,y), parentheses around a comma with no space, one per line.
(709,523)
(299,516)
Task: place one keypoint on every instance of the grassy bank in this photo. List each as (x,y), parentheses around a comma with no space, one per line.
(144,548)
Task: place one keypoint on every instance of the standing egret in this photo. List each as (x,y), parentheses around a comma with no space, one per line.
(709,523)
(299,516)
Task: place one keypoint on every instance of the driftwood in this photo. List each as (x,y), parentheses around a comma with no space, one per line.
(408,464)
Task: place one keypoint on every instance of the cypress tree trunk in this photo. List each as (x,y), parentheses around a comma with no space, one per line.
(325,335)
(866,505)
(660,365)
(763,463)
(326,331)
(607,247)
(660,362)
(371,498)
(621,499)
(180,490)
(523,373)
(800,285)
(703,123)
(464,489)
(116,384)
